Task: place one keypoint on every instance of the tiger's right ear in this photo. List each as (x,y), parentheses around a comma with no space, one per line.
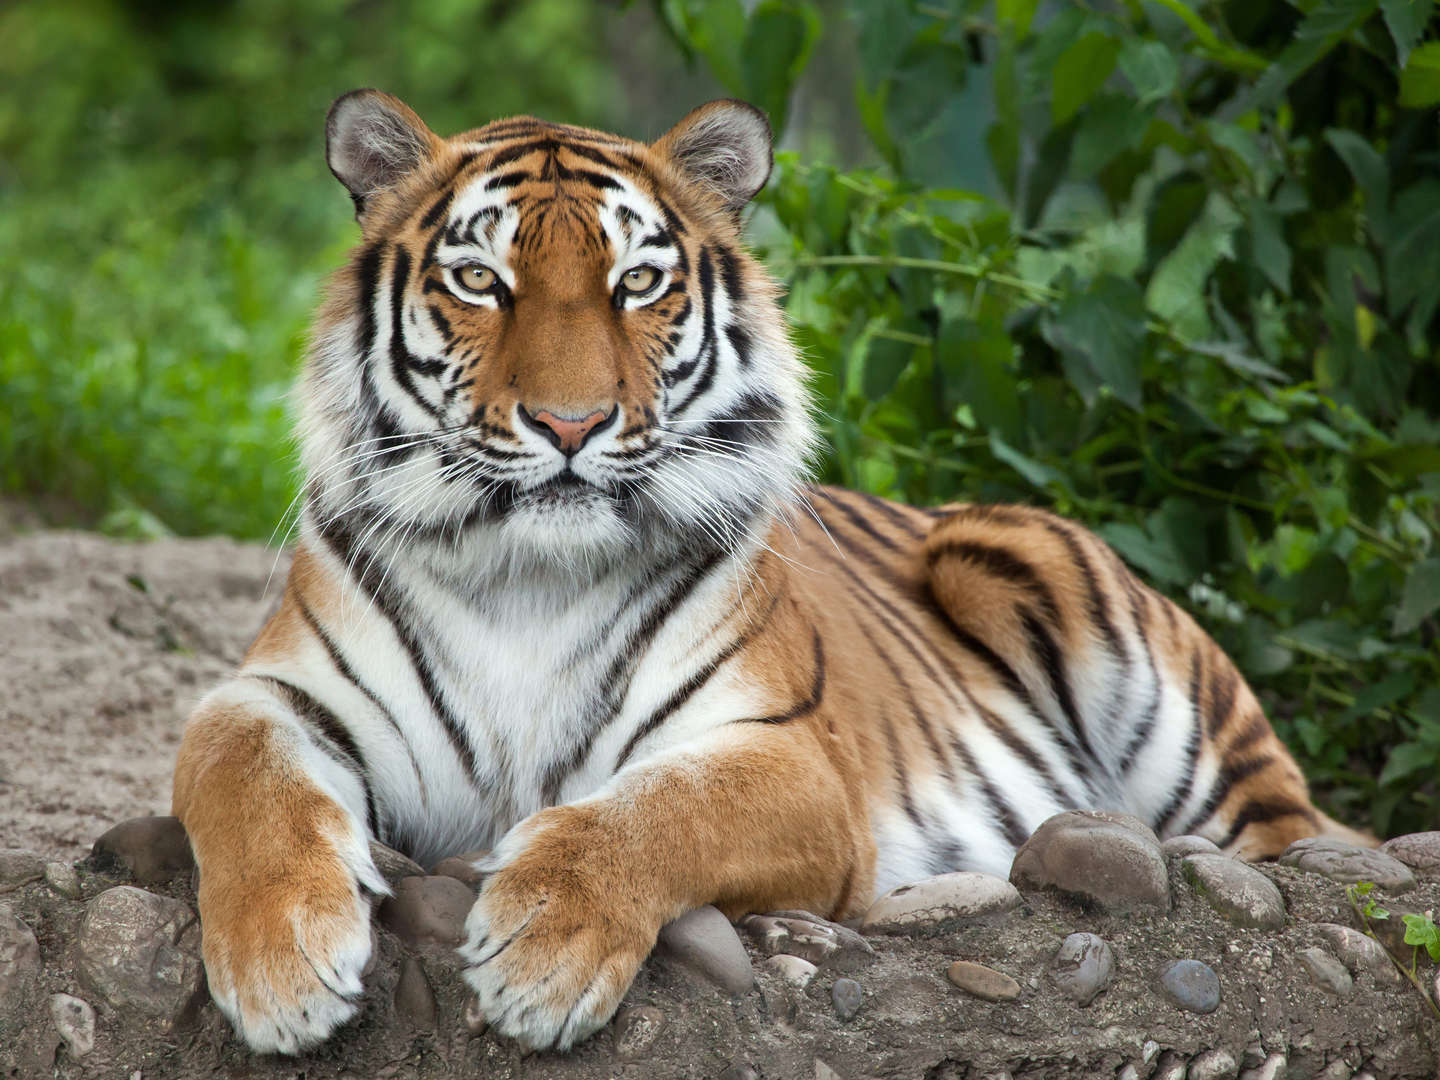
(373,141)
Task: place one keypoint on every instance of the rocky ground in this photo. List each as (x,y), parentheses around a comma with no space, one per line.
(1103,956)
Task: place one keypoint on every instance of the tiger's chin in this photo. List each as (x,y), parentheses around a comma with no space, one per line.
(573,526)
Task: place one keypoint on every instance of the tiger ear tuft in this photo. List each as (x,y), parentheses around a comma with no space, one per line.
(725,145)
(373,141)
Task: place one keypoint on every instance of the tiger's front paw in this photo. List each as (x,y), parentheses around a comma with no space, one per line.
(284,954)
(555,938)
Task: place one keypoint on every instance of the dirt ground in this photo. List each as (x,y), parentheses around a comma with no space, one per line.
(104,647)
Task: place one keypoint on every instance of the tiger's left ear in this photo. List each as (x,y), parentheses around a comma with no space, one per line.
(373,141)
(724,145)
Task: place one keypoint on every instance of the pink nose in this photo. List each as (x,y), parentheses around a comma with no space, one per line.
(566,434)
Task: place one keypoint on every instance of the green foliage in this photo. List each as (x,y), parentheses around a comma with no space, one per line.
(1197,311)
(1420,931)
(166,217)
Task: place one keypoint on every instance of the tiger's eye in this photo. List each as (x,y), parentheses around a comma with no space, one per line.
(639,280)
(475,277)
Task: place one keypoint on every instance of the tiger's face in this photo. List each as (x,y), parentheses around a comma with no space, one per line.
(552,336)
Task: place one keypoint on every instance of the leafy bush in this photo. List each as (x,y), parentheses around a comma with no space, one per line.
(1196,310)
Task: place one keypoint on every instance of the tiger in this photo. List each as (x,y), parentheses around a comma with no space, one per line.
(563,592)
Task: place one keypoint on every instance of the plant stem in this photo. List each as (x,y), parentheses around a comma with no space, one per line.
(1408,973)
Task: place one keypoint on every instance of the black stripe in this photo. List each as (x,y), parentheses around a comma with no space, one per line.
(902,781)
(1044,647)
(730,273)
(894,513)
(686,690)
(1231,773)
(1015,831)
(919,718)
(1002,564)
(812,700)
(1192,753)
(706,352)
(367,280)
(507,180)
(739,341)
(437,208)
(342,544)
(740,427)
(1256,812)
(1099,606)
(1146,725)
(856,520)
(328,725)
(402,361)
(1224,686)
(342,666)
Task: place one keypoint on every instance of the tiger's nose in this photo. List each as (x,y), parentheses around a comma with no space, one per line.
(565,433)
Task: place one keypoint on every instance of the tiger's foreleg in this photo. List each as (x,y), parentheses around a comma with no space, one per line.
(576,894)
(279,835)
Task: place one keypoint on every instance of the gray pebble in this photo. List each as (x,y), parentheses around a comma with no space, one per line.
(1212,1065)
(636,1030)
(428,910)
(1128,1072)
(1148,1050)
(739,1072)
(140,951)
(462,868)
(1272,1068)
(706,943)
(17,867)
(75,1021)
(1171,1066)
(1358,952)
(62,878)
(1110,860)
(793,969)
(414,996)
(1192,985)
(1188,845)
(1082,967)
(959,899)
(1339,1069)
(1327,972)
(150,850)
(393,865)
(799,933)
(1347,863)
(1237,891)
(847,996)
(19,968)
(825,1072)
(1420,851)
(983,982)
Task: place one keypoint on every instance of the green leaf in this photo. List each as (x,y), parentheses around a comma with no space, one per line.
(1420,597)
(1421,930)
(1327,24)
(1371,173)
(1157,558)
(778,38)
(1079,72)
(1177,288)
(1420,78)
(1016,13)
(1100,334)
(1406,20)
(1045,477)
(1111,125)
(1150,67)
(1407,759)
(1268,247)
(977,364)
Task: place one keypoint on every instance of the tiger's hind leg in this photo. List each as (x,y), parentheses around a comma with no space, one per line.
(1152,716)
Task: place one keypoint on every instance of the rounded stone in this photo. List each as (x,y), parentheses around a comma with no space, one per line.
(983,982)
(1171,1066)
(428,910)
(739,1072)
(795,970)
(800,933)
(636,1031)
(847,995)
(462,868)
(1111,861)
(1419,851)
(393,865)
(1192,985)
(149,850)
(705,942)
(1348,863)
(62,878)
(75,1021)
(1327,972)
(19,968)
(1212,1065)
(1272,1068)
(414,996)
(962,898)
(140,951)
(18,867)
(1237,891)
(1082,967)
(1358,952)
(1188,844)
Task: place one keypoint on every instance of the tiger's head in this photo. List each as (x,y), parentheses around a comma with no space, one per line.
(552,338)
